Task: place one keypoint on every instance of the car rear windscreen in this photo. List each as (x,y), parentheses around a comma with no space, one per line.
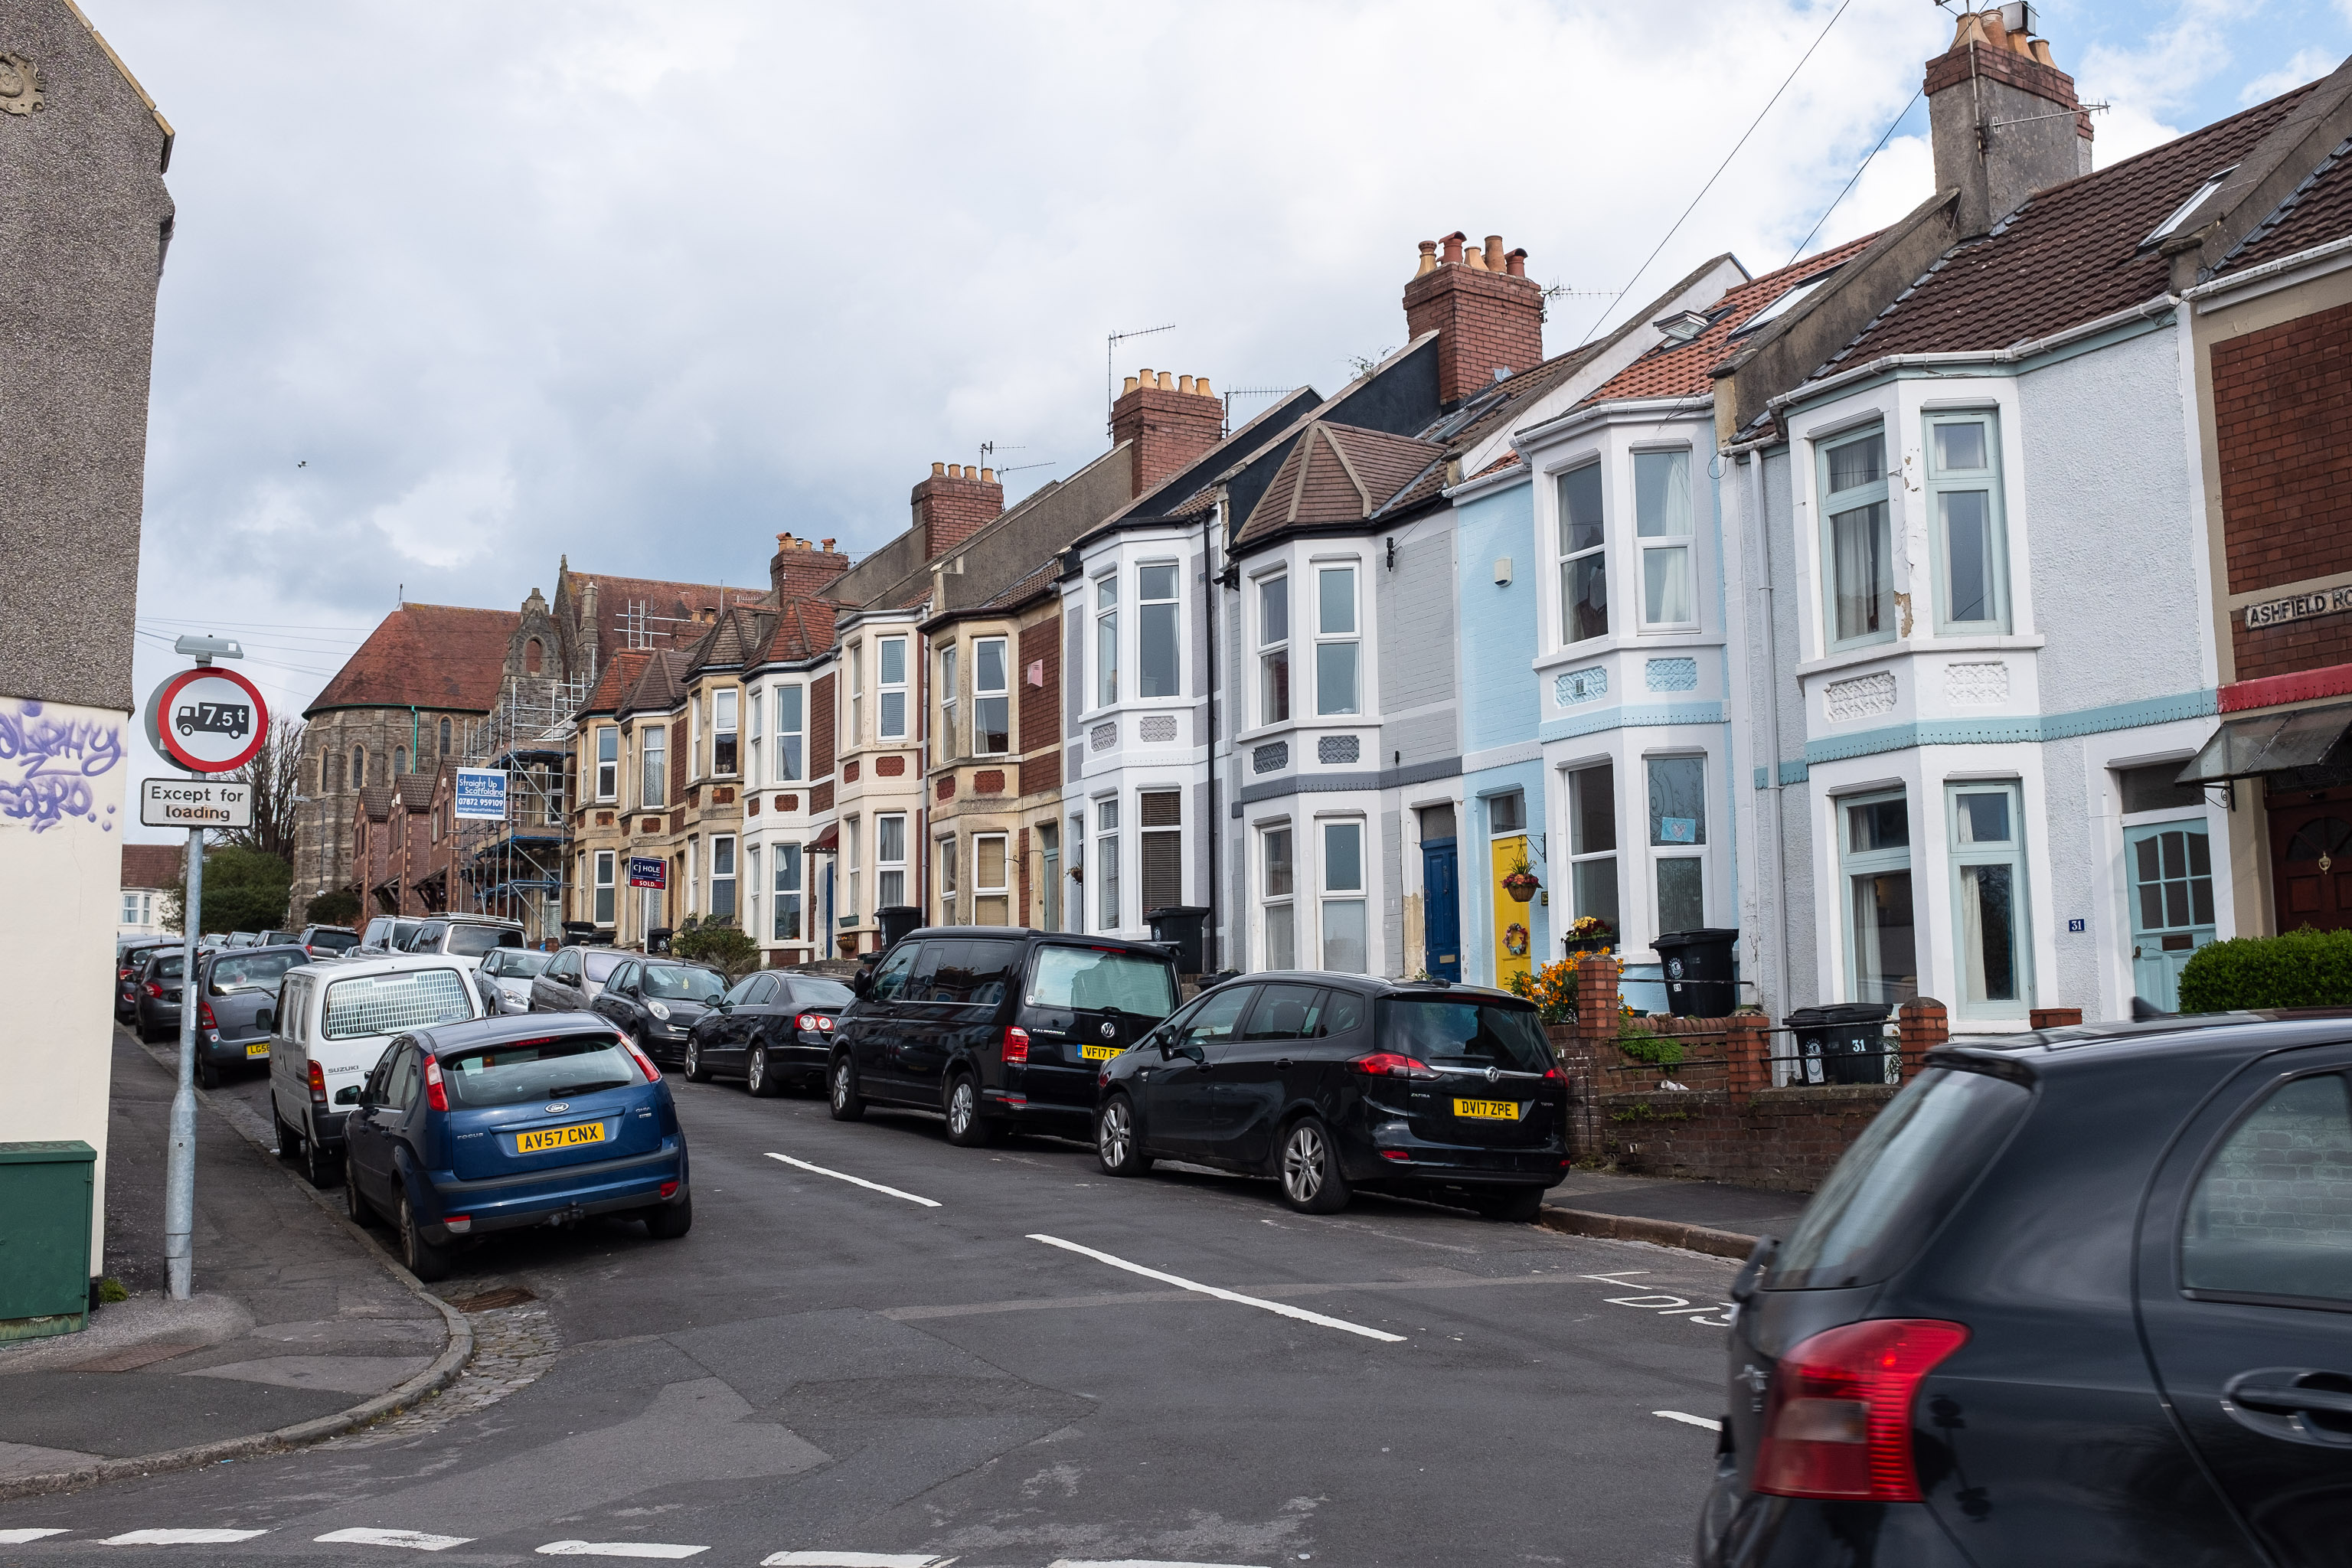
(522,964)
(1899,1180)
(334,940)
(1450,1033)
(368,1005)
(600,966)
(472,941)
(260,971)
(536,1069)
(1094,978)
(813,993)
(169,968)
(676,983)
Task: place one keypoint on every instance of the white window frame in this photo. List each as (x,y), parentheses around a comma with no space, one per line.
(1275,902)
(1107,639)
(1274,649)
(653,772)
(948,686)
(1944,483)
(1875,492)
(983,892)
(1107,896)
(1856,865)
(856,712)
(784,876)
(792,731)
(886,896)
(755,712)
(1577,782)
(752,890)
(886,689)
(983,695)
(1663,850)
(1966,855)
(605,908)
(608,762)
(943,867)
(1351,637)
(1571,554)
(724,873)
(1332,897)
(849,911)
(1144,608)
(726,708)
(1656,548)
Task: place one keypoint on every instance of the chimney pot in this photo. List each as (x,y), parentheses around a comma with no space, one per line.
(987,476)
(783,541)
(1201,386)
(955,470)
(828,546)
(1494,253)
(1473,259)
(1185,384)
(1516,263)
(1452,244)
(938,470)
(1166,381)
(1428,258)
(1128,387)
(1496,319)
(1149,379)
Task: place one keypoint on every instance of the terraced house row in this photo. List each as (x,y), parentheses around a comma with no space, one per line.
(1963,610)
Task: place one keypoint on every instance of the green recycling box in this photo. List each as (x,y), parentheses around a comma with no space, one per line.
(44,1197)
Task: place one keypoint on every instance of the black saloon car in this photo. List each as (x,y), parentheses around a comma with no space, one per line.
(996,1026)
(656,1001)
(2076,1297)
(237,1004)
(768,1030)
(1331,1082)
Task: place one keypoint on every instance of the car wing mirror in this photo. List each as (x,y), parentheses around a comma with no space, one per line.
(348,1096)
(862,982)
(1194,1054)
(1751,1273)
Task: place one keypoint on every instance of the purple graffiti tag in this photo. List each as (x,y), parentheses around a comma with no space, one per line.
(50,758)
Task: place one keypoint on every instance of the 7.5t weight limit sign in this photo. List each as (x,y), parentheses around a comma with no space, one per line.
(209,721)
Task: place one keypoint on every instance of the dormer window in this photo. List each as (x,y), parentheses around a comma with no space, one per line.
(1682,326)
(2180,214)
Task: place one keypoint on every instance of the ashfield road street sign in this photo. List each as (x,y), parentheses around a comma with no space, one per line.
(648,872)
(209,721)
(195,803)
(481,794)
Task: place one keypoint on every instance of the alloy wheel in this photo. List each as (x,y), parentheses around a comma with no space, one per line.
(1114,1135)
(755,1070)
(960,1109)
(841,1086)
(1302,1162)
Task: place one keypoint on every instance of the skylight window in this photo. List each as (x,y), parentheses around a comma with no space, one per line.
(1784,304)
(2166,229)
(1682,326)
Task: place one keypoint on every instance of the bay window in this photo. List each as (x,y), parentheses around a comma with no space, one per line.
(1874,840)
(1276,898)
(1106,640)
(1342,903)
(947,740)
(1274,649)
(991,699)
(850,863)
(1583,556)
(857,697)
(1106,870)
(785,904)
(889,861)
(755,706)
(605,860)
(1662,526)
(1160,848)
(1157,661)
(992,902)
(654,765)
(789,733)
(608,762)
(1336,641)
(722,878)
(1857,545)
(723,756)
(1592,842)
(1678,841)
(943,867)
(1989,885)
(891,682)
(753,889)
(1964,500)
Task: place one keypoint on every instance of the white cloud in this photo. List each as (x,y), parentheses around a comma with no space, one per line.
(449,518)
(2307,65)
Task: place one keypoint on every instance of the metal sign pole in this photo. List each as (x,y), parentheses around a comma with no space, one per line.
(180,1155)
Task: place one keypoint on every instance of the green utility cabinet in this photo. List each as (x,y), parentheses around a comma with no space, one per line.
(45,1196)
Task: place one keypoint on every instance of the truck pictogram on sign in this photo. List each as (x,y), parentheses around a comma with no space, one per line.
(233,719)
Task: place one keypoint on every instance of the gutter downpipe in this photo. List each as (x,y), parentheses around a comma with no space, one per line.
(1210,959)
(1754,463)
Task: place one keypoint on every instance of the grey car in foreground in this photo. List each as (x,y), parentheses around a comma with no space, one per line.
(236,1004)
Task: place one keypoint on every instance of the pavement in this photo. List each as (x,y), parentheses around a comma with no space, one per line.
(1701,1216)
(296,1320)
(877,1349)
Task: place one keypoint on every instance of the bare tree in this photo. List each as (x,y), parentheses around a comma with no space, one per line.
(276,774)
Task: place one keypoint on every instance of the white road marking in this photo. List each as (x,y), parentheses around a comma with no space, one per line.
(1692,1420)
(1300,1313)
(181,1537)
(416,1540)
(1133,1563)
(616,1549)
(852,1560)
(857,1181)
(18,1537)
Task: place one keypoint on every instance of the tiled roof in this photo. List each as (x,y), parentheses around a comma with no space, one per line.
(2070,254)
(1470,425)
(619,679)
(1339,474)
(413,792)
(670,607)
(376,801)
(425,656)
(1680,369)
(2319,210)
(737,639)
(1038,581)
(804,629)
(153,865)
(658,690)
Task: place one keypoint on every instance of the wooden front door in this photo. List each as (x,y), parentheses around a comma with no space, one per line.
(2311,860)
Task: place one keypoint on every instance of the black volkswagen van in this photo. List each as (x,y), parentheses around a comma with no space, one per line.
(996,1026)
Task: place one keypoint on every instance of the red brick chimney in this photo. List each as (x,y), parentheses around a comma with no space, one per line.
(799,570)
(1487,311)
(1169,419)
(953,504)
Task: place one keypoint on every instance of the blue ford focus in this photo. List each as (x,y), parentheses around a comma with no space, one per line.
(499,1123)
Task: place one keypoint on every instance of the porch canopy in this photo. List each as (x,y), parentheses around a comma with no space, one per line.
(2290,741)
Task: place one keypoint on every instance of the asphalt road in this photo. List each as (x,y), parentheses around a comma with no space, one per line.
(827,1370)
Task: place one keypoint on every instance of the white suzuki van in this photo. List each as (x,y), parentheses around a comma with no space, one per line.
(334,1019)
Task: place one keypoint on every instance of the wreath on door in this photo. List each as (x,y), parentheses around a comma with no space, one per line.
(1514,939)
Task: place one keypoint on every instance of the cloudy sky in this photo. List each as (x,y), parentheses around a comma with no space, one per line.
(460,286)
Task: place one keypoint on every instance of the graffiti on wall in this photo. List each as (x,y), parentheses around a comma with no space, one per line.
(47,760)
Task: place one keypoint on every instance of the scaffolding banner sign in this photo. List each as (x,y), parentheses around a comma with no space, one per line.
(648,872)
(481,794)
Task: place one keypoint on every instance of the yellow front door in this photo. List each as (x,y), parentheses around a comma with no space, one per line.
(1514,921)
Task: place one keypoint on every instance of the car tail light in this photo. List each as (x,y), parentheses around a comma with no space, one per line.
(815,1021)
(205,1016)
(1400,1155)
(1390,1064)
(317,1085)
(1838,1423)
(122,974)
(644,1062)
(435,1095)
(153,989)
(669,1189)
(1016,1047)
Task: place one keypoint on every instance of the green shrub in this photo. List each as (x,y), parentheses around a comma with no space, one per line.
(1651,1049)
(2301,969)
(719,943)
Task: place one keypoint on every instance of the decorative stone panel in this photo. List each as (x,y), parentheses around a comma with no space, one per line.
(1336,749)
(991,781)
(1976,685)
(788,803)
(1155,729)
(1103,737)
(1270,759)
(891,768)
(750,805)
(849,773)
(1574,686)
(1859,697)
(947,786)
(1671,675)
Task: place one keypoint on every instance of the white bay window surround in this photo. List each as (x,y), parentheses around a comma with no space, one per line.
(992,699)
(791,738)
(1857,542)
(1338,642)
(1662,513)
(1273,598)
(891,688)
(948,738)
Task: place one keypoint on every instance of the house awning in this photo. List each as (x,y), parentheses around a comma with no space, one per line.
(2269,744)
(828,842)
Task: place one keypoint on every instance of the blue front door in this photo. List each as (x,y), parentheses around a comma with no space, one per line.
(2171,870)
(1441,900)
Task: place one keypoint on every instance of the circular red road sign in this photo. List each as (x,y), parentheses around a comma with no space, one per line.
(211,720)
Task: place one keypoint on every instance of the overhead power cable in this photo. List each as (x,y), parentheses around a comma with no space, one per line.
(1850,183)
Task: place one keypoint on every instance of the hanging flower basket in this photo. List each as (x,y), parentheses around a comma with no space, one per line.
(1521,886)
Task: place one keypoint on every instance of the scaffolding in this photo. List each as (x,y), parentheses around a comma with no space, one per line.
(515,868)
